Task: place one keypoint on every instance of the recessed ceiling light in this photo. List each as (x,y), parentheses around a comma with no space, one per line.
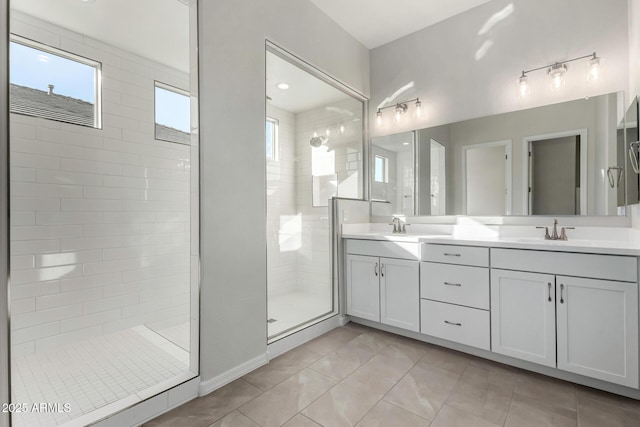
(87,1)
(43,58)
(282,86)
(405,143)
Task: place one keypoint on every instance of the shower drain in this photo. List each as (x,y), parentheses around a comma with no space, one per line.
(271,320)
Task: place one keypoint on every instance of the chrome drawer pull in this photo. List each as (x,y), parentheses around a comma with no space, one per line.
(561,291)
(447,254)
(452,284)
(376,269)
(452,323)
(549,291)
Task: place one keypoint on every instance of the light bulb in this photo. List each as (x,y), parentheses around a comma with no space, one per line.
(418,110)
(556,74)
(341,128)
(400,110)
(594,69)
(379,117)
(523,85)
(315,134)
(327,132)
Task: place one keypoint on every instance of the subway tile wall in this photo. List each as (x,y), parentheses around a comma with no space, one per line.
(299,255)
(283,219)
(100,218)
(314,256)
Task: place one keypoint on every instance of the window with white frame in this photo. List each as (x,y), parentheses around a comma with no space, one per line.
(272,139)
(53,84)
(172,114)
(381,169)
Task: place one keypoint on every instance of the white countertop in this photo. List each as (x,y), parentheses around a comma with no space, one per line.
(597,240)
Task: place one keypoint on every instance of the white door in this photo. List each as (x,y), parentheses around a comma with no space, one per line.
(487,178)
(598,329)
(438,179)
(363,287)
(523,321)
(400,293)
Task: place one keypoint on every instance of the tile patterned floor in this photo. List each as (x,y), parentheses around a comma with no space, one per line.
(94,373)
(356,375)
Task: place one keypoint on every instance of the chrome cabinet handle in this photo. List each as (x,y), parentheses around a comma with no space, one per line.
(549,291)
(452,284)
(452,323)
(382,270)
(448,254)
(561,297)
(376,269)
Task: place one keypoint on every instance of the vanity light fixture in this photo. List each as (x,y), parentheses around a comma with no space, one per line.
(557,72)
(400,109)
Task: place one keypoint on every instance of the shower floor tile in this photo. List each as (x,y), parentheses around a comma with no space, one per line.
(295,308)
(115,370)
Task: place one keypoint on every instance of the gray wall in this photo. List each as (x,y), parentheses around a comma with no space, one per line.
(232,90)
(456,82)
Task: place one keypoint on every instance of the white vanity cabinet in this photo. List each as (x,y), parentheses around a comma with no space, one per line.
(587,326)
(523,315)
(454,292)
(382,288)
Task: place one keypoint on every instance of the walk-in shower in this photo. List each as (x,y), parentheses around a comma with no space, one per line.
(104,191)
(314,144)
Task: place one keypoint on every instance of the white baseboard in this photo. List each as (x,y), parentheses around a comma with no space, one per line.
(233,374)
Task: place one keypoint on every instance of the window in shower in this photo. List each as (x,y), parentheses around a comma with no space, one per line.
(381,169)
(319,155)
(52,84)
(172,114)
(272,139)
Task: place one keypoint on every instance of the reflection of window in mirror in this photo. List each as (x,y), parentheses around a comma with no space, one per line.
(381,169)
(272,139)
(53,84)
(172,114)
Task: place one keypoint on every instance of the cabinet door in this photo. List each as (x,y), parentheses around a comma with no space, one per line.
(598,329)
(363,287)
(400,293)
(523,321)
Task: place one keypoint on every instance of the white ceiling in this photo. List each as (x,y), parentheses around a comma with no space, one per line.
(395,142)
(305,91)
(376,22)
(155,29)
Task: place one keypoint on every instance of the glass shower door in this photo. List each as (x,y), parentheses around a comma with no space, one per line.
(313,152)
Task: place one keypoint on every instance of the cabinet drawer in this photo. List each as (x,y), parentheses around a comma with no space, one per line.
(463,325)
(457,284)
(453,254)
(611,267)
(403,250)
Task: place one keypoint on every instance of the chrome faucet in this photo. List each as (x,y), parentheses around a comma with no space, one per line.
(554,235)
(398,226)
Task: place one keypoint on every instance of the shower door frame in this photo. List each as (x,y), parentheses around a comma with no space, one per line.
(5,371)
(323,76)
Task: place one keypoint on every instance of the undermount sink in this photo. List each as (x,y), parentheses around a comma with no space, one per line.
(538,241)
